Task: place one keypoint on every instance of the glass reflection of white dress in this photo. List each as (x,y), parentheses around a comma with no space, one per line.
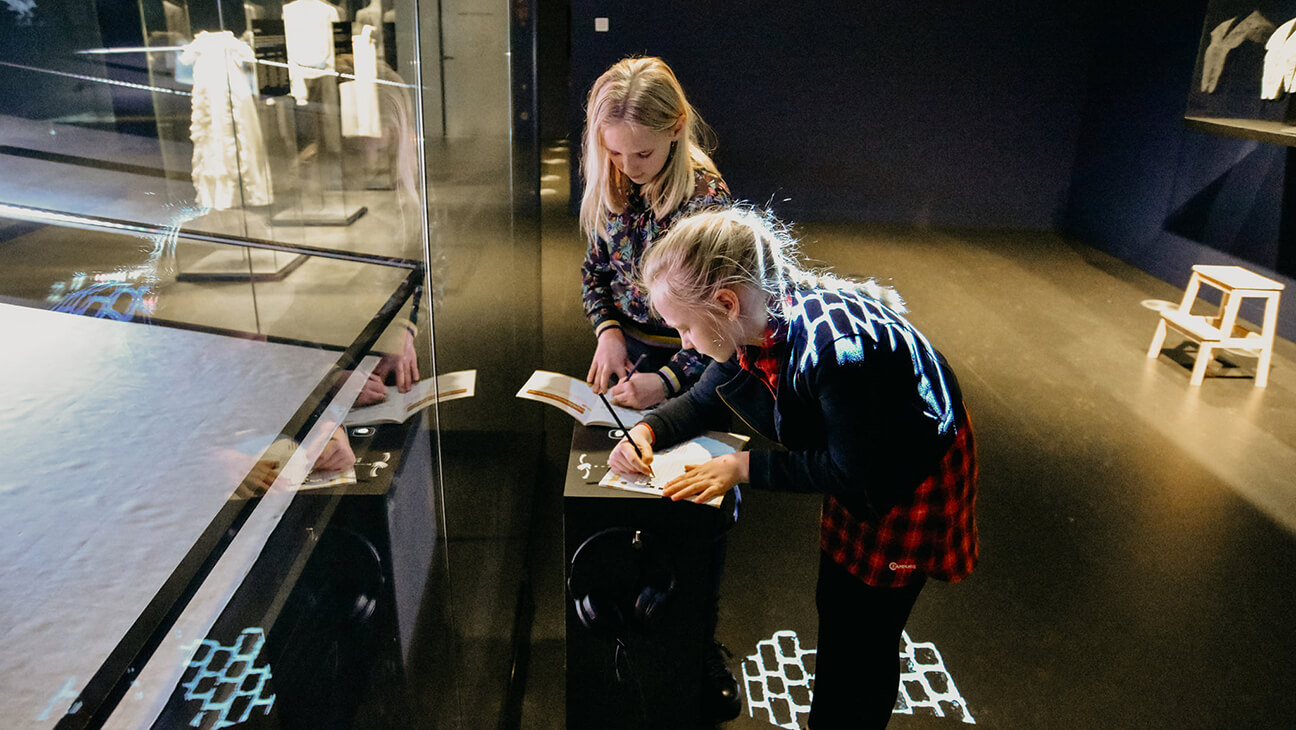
(359,98)
(224,125)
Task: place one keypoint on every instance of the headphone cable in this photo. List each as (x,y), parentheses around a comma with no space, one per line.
(622,658)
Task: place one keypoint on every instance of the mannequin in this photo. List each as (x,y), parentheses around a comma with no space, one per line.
(308,32)
(372,14)
(308,27)
(225,175)
(359,98)
(176,15)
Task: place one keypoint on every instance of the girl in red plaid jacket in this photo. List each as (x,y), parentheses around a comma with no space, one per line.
(871,416)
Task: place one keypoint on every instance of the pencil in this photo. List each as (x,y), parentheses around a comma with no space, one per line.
(635,368)
(624,430)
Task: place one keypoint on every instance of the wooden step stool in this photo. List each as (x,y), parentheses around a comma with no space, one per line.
(1221,330)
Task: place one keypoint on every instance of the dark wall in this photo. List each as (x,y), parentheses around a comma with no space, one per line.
(909,112)
(1037,115)
(1156,193)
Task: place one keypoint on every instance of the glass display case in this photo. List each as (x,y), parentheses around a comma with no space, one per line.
(225,229)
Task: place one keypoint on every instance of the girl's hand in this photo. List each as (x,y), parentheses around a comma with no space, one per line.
(337,454)
(403,366)
(373,391)
(258,481)
(641,390)
(705,482)
(624,460)
(609,359)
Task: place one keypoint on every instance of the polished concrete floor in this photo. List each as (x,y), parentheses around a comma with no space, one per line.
(1136,532)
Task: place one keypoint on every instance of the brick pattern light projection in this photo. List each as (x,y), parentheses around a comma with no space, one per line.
(227,683)
(127,293)
(779,680)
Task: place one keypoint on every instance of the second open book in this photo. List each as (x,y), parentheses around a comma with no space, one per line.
(576,398)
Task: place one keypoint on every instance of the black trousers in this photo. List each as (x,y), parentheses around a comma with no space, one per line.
(857,663)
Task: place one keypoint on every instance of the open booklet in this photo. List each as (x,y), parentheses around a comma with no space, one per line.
(400,406)
(575,398)
(346,477)
(669,463)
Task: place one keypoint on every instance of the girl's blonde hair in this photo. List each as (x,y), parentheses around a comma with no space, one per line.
(646,92)
(742,249)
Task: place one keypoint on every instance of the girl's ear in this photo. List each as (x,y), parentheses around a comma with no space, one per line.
(730,303)
(678,130)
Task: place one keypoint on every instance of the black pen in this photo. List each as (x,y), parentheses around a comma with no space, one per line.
(624,430)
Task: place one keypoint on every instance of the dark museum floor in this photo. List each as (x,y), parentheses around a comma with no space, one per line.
(1135,531)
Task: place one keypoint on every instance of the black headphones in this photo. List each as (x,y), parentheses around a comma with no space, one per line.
(620,578)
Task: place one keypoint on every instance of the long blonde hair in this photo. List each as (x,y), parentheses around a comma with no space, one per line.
(742,249)
(646,92)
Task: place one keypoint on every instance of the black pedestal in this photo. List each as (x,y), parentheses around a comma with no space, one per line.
(632,670)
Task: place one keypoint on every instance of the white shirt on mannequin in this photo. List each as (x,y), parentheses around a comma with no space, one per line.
(308,27)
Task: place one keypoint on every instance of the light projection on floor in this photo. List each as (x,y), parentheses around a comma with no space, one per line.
(227,682)
(779,682)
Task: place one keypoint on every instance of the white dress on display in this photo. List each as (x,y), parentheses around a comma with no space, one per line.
(224,125)
(359,98)
(308,27)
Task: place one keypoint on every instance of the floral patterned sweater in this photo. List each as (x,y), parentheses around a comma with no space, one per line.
(609,287)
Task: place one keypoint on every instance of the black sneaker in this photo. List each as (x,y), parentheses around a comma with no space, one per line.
(721,701)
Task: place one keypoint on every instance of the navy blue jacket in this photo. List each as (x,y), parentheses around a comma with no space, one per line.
(866,407)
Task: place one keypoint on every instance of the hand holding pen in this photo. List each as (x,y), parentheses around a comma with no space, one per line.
(640,392)
(637,459)
(642,463)
(634,368)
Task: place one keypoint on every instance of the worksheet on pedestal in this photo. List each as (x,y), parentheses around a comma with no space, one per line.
(669,463)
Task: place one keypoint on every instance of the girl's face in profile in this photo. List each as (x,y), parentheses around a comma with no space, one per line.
(638,152)
(697,327)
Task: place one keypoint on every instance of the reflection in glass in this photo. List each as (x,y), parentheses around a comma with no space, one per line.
(211,235)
